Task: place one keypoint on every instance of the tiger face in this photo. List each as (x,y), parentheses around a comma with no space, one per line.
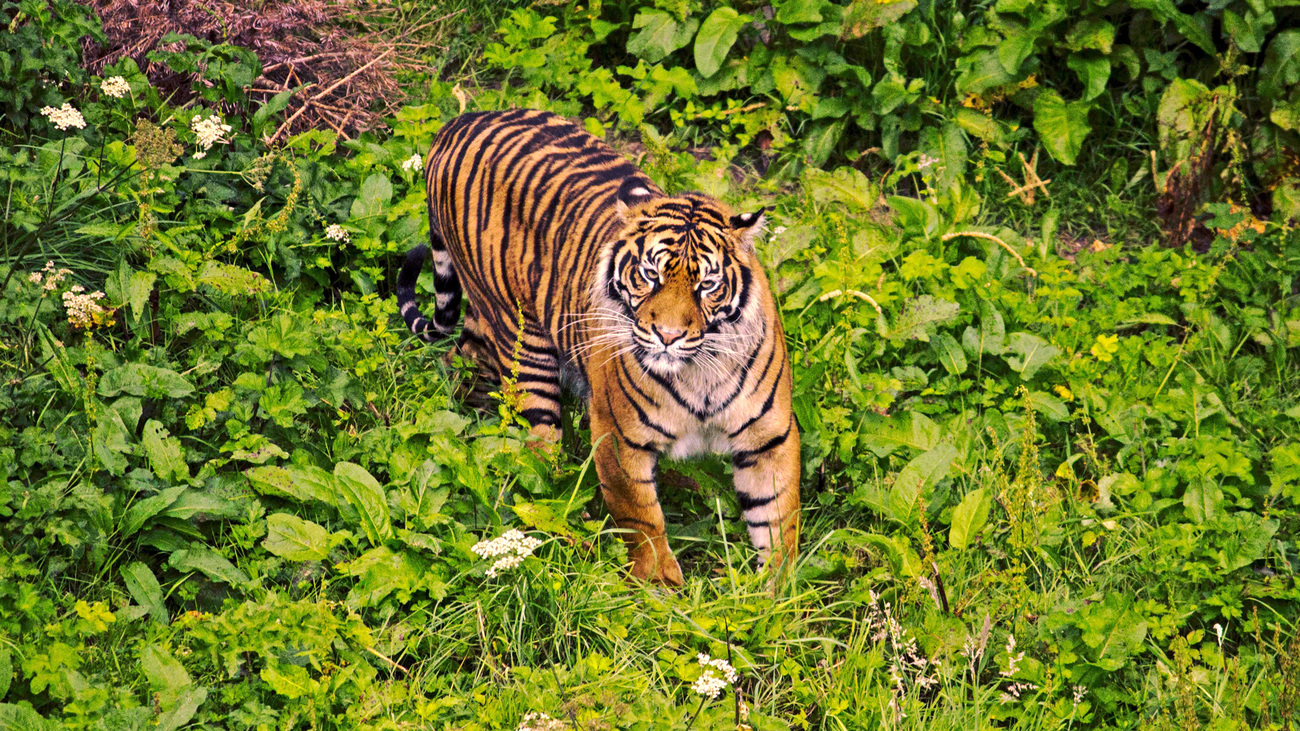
(678,278)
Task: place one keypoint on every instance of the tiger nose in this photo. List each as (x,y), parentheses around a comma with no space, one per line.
(668,335)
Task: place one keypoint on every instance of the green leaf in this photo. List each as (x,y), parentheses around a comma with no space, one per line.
(950,354)
(1203,501)
(846,185)
(863,16)
(915,478)
(304,484)
(1093,71)
(145,590)
(993,333)
(364,493)
(1027,353)
(129,287)
(799,11)
(375,194)
(919,318)
(383,571)
(110,440)
(1091,33)
(200,558)
(290,681)
(182,710)
(715,39)
(166,455)
(969,518)
(884,434)
(21,718)
(1280,71)
(1049,406)
(291,537)
(980,125)
(164,672)
(659,34)
(983,71)
(1062,127)
(6,671)
(139,379)
(1014,49)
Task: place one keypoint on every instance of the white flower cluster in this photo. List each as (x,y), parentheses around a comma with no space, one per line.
(82,308)
(414,162)
(509,549)
(336,232)
(926,161)
(115,86)
(210,130)
(1012,658)
(1012,693)
(49,278)
(710,684)
(974,648)
(778,231)
(907,666)
(537,721)
(64,117)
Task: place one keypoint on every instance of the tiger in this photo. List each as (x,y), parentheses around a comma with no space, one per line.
(580,275)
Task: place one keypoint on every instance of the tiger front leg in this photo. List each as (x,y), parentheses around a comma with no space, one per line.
(627,482)
(767,487)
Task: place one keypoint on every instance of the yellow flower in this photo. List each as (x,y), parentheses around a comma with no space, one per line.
(1105,348)
(1064,393)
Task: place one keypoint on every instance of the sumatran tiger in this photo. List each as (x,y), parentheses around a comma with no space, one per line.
(578,270)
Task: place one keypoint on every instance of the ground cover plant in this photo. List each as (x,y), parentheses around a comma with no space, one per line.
(1051,430)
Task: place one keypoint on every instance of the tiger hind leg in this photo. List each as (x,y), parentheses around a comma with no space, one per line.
(523,356)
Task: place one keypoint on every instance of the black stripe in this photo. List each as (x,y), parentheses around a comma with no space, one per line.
(748,503)
(748,458)
(767,403)
(646,447)
(640,412)
(540,416)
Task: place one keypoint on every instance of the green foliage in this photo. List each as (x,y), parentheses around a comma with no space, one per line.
(236,495)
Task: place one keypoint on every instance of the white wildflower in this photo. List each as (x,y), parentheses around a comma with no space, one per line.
(709,685)
(49,278)
(537,721)
(115,86)
(778,231)
(1079,693)
(64,117)
(925,161)
(209,130)
(1012,693)
(1012,658)
(509,549)
(1218,630)
(413,163)
(82,308)
(718,664)
(337,233)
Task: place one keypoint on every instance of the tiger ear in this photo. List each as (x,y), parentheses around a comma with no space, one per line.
(747,225)
(631,194)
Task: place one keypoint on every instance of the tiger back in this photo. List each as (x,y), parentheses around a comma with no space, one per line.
(576,269)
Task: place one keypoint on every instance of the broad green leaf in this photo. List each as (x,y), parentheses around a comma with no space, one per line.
(884,434)
(863,16)
(230,279)
(200,558)
(1062,127)
(902,558)
(980,125)
(110,440)
(993,333)
(130,287)
(659,34)
(182,711)
(820,140)
(375,194)
(846,185)
(1203,501)
(383,571)
(920,317)
(166,455)
(364,493)
(969,517)
(291,537)
(139,379)
(1248,540)
(950,354)
(21,718)
(1026,353)
(1184,111)
(1014,49)
(983,72)
(1049,406)
(195,502)
(164,672)
(290,681)
(717,35)
(1091,33)
(915,478)
(6,671)
(145,590)
(303,484)
(1281,69)
(799,11)
(1093,70)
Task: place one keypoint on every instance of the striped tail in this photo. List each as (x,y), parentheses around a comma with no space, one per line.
(447,311)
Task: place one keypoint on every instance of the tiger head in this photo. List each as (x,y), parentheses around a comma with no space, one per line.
(678,282)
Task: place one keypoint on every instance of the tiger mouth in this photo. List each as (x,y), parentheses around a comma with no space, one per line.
(661,360)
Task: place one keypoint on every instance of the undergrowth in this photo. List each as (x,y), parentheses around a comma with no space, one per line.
(1052,463)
